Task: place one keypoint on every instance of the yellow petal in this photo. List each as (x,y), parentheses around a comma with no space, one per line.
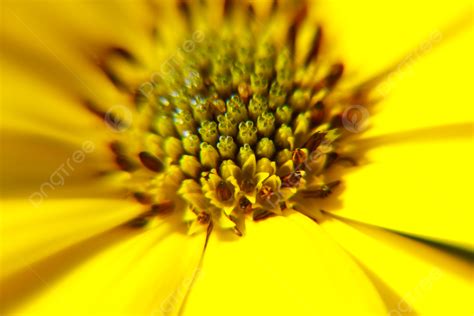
(40,166)
(420,188)
(369,35)
(35,230)
(282,266)
(422,280)
(91,25)
(415,175)
(426,91)
(44,130)
(141,273)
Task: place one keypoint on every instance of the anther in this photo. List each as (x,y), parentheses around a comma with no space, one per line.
(203,218)
(261,215)
(224,191)
(317,113)
(161,208)
(323,191)
(150,161)
(125,163)
(314,141)
(299,157)
(143,198)
(291,180)
(245,205)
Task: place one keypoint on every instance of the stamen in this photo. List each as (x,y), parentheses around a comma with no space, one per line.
(314,141)
(322,192)
(224,191)
(150,161)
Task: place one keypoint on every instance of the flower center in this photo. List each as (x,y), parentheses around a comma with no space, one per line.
(232,128)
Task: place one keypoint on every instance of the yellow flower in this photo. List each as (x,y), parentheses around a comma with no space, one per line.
(255,158)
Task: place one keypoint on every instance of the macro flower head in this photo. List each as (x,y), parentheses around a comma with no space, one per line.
(236,157)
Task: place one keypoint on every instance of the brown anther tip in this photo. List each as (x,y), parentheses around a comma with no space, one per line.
(319,105)
(334,74)
(261,215)
(250,10)
(336,121)
(143,198)
(113,77)
(183,7)
(291,180)
(138,222)
(315,46)
(161,208)
(150,161)
(274,6)
(117,147)
(224,191)
(115,122)
(317,113)
(294,28)
(333,184)
(348,161)
(94,108)
(299,157)
(324,191)
(228,6)
(265,192)
(122,53)
(125,163)
(247,185)
(314,141)
(245,205)
(331,158)
(203,218)
(238,232)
